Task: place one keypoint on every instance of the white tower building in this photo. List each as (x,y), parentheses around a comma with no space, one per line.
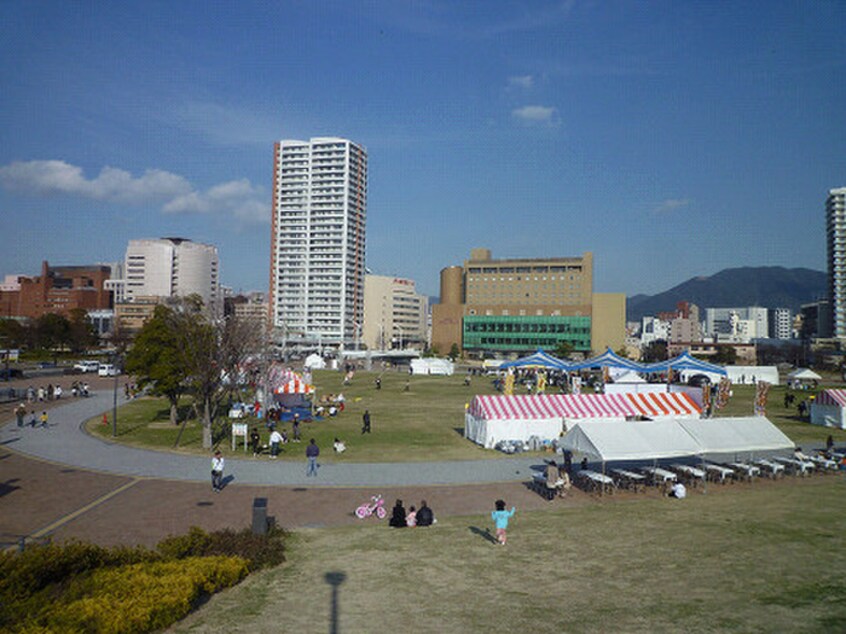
(318,242)
(172,267)
(835,225)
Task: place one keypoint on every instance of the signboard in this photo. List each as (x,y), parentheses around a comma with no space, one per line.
(239,429)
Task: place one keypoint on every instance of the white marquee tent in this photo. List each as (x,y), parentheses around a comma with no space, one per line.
(829,409)
(659,440)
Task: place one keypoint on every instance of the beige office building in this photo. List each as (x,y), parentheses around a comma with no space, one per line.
(521,305)
(394,314)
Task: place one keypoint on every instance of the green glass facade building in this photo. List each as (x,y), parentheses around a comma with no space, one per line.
(525,333)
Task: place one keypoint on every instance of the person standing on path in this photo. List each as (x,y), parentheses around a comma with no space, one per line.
(312,451)
(20,414)
(500,516)
(365,422)
(217,472)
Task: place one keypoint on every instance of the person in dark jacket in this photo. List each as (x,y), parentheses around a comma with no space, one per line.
(398,516)
(425,517)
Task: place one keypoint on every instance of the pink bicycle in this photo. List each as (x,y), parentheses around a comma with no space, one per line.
(376,505)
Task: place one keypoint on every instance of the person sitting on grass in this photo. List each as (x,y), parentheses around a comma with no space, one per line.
(339,446)
(678,491)
(411,518)
(397,516)
(425,516)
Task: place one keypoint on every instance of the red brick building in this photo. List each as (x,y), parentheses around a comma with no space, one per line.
(59,290)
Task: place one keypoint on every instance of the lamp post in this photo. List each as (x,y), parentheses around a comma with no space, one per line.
(114,358)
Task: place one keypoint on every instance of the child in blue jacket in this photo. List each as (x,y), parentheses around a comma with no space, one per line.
(500,517)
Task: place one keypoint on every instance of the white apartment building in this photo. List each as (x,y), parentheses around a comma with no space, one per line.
(835,227)
(395,314)
(740,325)
(318,242)
(169,267)
(781,323)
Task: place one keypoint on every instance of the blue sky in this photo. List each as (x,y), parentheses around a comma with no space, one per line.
(672,139)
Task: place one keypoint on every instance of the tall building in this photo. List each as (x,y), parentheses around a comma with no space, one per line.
(781,323)
(520,305)
(394,314)
(835,225)
(317,246)
(170,267)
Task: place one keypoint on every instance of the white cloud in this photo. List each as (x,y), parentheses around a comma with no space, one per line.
(521,81)
(670,205)
(173,192)
(535,114)
(111,184)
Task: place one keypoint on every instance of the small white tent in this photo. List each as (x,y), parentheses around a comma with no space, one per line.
(829,409)
(803,374)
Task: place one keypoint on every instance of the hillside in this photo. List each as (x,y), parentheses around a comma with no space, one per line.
(767,286)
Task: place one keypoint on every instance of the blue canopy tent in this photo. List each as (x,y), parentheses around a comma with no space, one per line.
(539,359)
(684,362)
(608,359)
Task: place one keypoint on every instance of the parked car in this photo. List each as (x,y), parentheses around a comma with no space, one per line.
(86,366)
(699,380)
(107,369)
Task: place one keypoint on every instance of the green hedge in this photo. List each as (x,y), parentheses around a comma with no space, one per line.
(78,587)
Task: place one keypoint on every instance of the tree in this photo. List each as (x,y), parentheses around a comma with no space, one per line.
(81,332)
(454,352)
(155,360)
(51,331)
(563,349)
(13,334)
(726,355)
(655,351)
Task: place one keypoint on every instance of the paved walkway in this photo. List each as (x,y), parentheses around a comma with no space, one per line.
(66,443)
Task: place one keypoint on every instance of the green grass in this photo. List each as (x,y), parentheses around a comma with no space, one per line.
(421,424)
(743,558)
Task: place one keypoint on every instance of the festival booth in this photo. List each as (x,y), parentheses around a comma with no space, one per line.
(492,418)
(829,409)
(752,374)
(290,393)
(660,440)
(441,367)
(802,377)
(539,359)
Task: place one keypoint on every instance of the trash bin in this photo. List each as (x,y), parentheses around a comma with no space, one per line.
(259,516)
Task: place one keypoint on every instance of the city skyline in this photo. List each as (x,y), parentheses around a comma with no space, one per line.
(670,140)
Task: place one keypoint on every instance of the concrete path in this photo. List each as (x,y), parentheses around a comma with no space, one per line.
(66,443)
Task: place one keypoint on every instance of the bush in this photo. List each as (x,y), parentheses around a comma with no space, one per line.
(260,551)
(138,597)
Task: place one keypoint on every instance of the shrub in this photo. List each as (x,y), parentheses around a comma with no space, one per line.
(261,551)
(138,597)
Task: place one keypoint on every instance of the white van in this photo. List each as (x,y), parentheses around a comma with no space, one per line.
(87,366)
(107,369)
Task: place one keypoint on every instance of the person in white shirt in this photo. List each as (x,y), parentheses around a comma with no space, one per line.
(678,491)
(217,472)
(339,446)
(276,439)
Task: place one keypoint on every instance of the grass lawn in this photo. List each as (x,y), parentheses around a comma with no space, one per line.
(421,424)
(765,557)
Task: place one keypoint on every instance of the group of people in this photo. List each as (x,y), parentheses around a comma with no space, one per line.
(414,517)
(52,392)
(20,417)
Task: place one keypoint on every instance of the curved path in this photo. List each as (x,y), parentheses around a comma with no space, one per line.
(65,442)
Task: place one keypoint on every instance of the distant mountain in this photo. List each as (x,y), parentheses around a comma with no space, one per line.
(766,286)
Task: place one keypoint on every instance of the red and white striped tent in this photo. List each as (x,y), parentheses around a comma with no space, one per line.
(829,409)
(491,418)
(294,385)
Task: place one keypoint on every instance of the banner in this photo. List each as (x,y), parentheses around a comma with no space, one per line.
(762,390)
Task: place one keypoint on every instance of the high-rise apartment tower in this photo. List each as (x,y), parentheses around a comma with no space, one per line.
(835,225)
(318,242)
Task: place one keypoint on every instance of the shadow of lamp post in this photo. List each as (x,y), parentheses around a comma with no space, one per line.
(334,579)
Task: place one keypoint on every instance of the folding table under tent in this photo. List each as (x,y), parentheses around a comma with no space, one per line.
(829,409)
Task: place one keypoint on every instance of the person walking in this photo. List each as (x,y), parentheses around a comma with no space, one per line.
(312,451)
(365,422)
(500,517)
(20,414)
(44,419)
(217,472)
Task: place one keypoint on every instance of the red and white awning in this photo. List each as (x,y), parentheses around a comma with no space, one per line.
(581,406)
(294,386)
(664,404)
(832,397)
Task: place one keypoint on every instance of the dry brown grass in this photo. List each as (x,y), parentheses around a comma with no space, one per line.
(761,558)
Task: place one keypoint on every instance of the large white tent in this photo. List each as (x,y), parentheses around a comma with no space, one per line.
(491,418)
(829,409)
(659,440)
